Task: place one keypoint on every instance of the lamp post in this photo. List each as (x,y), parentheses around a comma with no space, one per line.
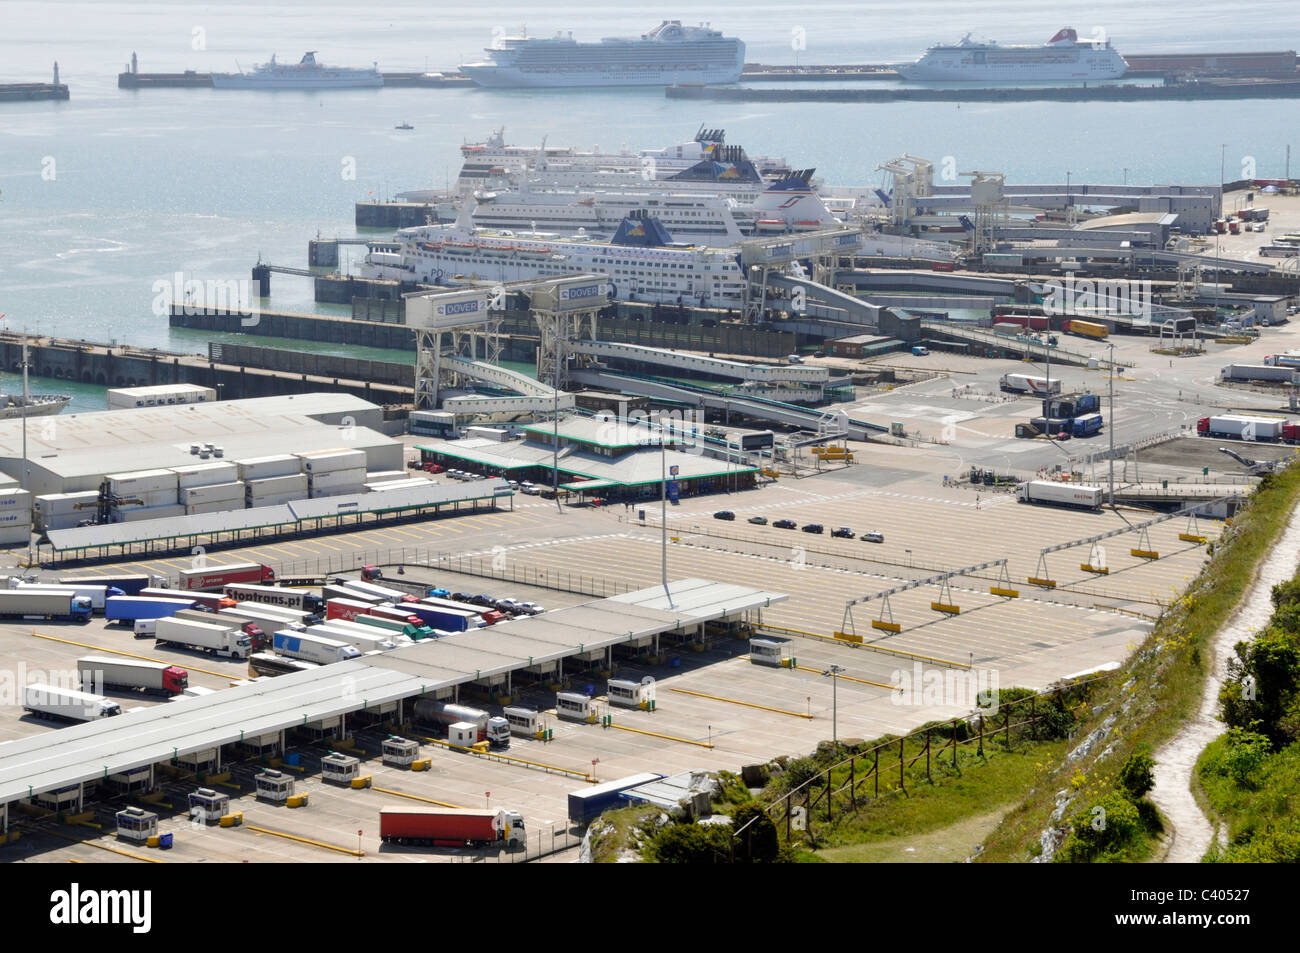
(833,673)
(1110,396)
(663,508)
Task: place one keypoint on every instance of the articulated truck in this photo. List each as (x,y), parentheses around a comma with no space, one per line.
(61,605)
(130,608)
(216,577)
(274,596)
(450,827)
(96,594)
(1030,384)
(1071,495)
(67,704)
(130,585)
(494,730)
(312,648)
(101,671)
(228,640)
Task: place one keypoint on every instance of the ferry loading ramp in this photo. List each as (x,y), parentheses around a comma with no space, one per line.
(71,756)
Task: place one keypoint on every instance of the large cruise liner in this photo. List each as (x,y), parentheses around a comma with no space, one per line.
(305,74)
(668,54)
(1062,58)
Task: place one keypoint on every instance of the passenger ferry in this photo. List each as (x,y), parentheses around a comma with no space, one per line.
(305,74)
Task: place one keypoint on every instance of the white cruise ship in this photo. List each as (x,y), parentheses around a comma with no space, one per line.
(305,74)
(1062,58)
(668,54)
(642,261)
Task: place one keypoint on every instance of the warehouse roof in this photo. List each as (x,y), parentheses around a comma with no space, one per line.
(53,760)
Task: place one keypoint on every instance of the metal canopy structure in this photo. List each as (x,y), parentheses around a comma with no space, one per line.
(72,756)
(943,604)
(285,518)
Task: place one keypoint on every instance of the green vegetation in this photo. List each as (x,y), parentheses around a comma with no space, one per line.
(1148,700)
(1250,776)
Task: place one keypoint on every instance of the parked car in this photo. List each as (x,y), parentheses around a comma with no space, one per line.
(786,524)
(758,520)
(724,515)
(433,468)
(873,537)
(462,596)
(813,528)
(597,501)
(842,533)
(484,600)
(531,608)
(440,593)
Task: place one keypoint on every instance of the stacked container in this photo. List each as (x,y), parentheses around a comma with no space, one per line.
(263,468)
(58,510)
(15,516)
(209,487)
(272,491)
(405,484)
(335,472)
(152,495)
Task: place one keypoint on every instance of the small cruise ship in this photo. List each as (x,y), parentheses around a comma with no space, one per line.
(307,73)
(669,54)
(1062,58)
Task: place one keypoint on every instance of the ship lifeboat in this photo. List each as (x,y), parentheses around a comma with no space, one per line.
(770,225)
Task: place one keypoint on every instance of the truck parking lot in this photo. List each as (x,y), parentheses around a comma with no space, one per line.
(715,709)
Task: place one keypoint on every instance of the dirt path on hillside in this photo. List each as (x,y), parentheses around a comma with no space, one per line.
(1192,832)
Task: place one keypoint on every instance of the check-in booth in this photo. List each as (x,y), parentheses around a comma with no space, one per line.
(131,780)
(400,752)
(769,651)
(462,734)
(135,823)
(205,759)
(574,706)
(208,806)
(273,785)
(523,721)
(630,694)
(339,767)
(321,729)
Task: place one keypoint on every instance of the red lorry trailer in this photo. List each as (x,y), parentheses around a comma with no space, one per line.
(214,577)
(450,827)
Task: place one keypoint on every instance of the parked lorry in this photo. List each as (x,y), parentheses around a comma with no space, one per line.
(589,803)
(1242,427)
(130,585)
(312,648)
(100,671)
(265,619)
(329,592)
(251,628)
(1086,426)
(1073,495)
(1088,329)
(1285,374)
(482,615)
(208,600)
(347,609)
(273,596)
(363,642)
(61,605)
(227,640)
(1030,384)
(270,664)
(1289,359)
(67,704)
(263,610)
(451,827)
(130,608)
(96,594)
(445,617)
(394,627)
(1071,405)
(370,589)
(216,577)
(493,729)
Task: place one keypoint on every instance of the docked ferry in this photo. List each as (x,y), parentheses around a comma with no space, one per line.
(642,260)
(1062,58)
(305,74)
(670,53)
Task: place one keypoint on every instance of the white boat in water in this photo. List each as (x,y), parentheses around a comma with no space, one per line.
(38,405)
(305,74)
(1062,58)
(668,54)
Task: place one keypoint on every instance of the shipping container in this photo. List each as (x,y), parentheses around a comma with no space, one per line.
(211,473)
(1089,329)
(232,492)
(328,461)
(141,481)
(260,468)
(328,479)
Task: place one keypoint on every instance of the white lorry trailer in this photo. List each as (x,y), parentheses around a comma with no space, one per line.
(227,640)
(1072,495)
(101,671)
(68,704)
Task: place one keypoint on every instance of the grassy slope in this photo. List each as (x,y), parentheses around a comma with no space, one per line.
(1162,682)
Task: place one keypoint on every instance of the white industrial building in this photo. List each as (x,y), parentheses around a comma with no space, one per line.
(75,452)
(160,395)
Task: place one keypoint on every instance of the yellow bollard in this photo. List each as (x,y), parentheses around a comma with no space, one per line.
(361,782)
(231,820)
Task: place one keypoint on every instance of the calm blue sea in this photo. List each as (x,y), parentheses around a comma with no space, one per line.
(105,197)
